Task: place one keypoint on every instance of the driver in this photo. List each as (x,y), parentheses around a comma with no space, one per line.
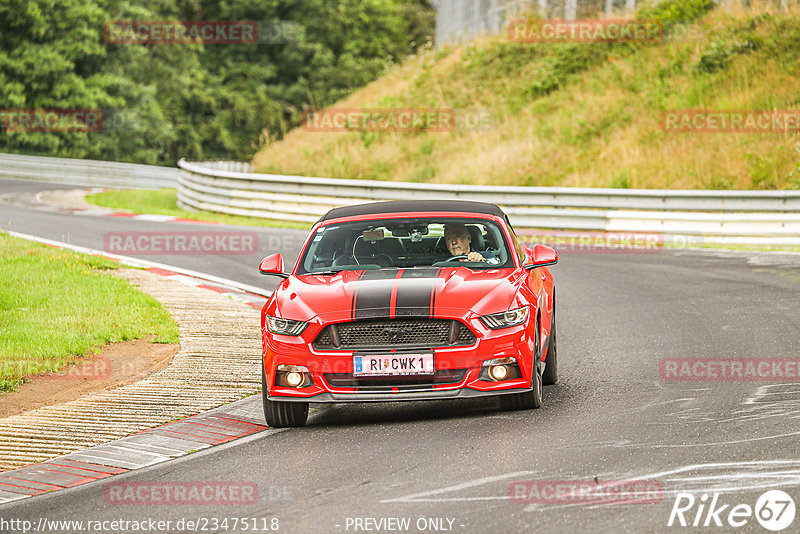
(458,240)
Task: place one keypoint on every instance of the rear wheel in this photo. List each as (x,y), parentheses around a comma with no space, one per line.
(280,413)
(529,399)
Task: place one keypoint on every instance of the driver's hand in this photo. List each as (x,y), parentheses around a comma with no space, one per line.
(475,256)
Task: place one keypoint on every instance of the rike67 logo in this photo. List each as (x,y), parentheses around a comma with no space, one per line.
(774,510)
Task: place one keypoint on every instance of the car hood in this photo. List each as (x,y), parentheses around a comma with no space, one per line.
(349,295)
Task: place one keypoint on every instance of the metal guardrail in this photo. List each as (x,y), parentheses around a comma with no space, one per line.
(230,187)
(87,172)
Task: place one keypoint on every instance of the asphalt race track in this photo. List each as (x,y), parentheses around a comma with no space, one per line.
(455,465)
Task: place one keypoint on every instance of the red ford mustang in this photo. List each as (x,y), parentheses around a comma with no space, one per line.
(396,301)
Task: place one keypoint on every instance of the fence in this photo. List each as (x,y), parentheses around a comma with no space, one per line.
(461,20)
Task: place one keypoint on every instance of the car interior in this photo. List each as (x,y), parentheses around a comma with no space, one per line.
(391,245)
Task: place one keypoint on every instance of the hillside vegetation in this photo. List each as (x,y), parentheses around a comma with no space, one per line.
(161,101)
(581,114)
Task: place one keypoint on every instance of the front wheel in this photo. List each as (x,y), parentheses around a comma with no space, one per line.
(281,414)
(525,401)
(550,375)
(530,399)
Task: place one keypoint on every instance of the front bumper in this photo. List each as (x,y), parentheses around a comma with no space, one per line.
(464,361)
(464,393)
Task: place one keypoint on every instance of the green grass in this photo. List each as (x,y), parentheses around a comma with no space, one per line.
(57,306)
(165,202)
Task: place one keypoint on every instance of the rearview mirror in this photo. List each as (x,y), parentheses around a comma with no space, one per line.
(272,265)
(543,256)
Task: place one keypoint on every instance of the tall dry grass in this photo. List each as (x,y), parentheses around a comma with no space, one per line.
(586,115)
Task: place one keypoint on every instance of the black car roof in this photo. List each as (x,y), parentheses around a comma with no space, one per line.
(398,206)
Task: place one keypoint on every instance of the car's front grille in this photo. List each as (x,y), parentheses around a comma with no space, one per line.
(388,383)
(324,339)
(390,333)
(464,335)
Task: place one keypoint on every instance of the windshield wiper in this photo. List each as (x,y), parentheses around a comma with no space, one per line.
(332,271)
(335,270)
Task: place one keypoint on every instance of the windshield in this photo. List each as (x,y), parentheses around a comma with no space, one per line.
(406,243)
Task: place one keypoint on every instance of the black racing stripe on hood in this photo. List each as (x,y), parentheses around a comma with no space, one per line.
(373,299)
(416,298)
(433,293)
(355,296)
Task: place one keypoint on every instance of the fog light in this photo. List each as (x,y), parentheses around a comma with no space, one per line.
(498,372)
(293,376)
(499,369)
(294,379)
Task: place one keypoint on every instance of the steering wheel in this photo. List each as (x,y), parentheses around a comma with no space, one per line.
(459,257)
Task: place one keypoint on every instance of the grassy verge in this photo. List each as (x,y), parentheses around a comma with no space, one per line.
(165,202)
(580,114)
(57,306)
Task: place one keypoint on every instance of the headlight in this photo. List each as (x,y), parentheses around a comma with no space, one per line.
(285,327)
(506,319)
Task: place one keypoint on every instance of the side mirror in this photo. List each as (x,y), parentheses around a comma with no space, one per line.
(273,265)
(542,257)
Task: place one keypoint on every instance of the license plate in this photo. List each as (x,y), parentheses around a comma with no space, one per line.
(393,365)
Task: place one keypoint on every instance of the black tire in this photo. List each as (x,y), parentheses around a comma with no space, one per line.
(281,414)
(530,399)
(550,375)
